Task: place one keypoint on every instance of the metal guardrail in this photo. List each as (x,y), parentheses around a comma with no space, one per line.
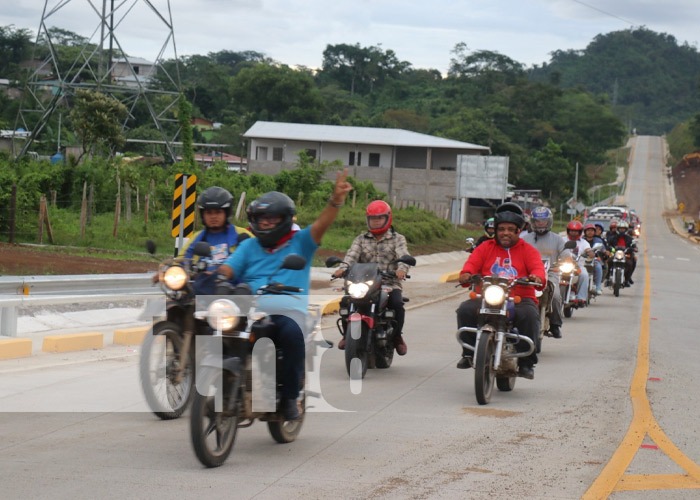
(19,291)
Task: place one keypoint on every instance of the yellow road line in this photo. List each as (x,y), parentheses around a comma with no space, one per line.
(613,477)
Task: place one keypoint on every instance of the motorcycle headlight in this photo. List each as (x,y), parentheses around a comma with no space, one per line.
(567,267)
(619,254)
(494,295)
(223,314)
(175,278)
(358,290)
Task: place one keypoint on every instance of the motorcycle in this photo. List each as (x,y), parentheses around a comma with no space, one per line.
(589,263)
(241,383)
(617,268)
(365,316)
(546,295)
(166,365)
(495,354)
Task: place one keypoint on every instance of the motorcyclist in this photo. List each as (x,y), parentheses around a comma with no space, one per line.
(383,245)
(551,248)
(574,231)
(489,232)
(505,255)
(589,235)
(257,259)
(621,239)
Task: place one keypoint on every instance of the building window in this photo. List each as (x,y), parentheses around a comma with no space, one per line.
(311,153)
(359,158)
(374,159)
(277,154)
(351,160)
(261,153)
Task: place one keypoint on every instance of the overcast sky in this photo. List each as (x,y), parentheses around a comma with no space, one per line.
(422,32)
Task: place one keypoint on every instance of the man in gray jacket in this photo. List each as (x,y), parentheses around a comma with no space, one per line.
(551,248)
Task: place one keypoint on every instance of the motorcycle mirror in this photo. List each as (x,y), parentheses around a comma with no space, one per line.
(202,249)
(332,261)
(294,262)
(570,244)
(597,246)
(151,247)
(407,259)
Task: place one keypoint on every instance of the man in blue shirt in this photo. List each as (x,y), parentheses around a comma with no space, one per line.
(271,220)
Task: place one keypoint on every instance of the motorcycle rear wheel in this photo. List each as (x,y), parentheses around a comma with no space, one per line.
(506,384)
(384,356)
(286,432)
(485,375)
(159,363)
(213,433)
(356,356)
(568,311)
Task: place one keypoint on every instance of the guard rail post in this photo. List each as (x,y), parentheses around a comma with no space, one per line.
(8,321)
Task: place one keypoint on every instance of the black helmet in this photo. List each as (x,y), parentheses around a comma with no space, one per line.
(215,197)
(510,212)
(272,203)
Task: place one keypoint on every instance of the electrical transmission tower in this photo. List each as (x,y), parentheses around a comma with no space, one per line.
(101,63)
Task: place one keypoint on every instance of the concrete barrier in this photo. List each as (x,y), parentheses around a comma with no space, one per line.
(72,342)
(15,348)
(130,336)
(448,277)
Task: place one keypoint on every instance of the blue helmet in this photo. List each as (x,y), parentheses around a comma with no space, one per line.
(541,220)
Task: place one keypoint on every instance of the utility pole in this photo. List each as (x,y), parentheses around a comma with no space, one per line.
(576,184)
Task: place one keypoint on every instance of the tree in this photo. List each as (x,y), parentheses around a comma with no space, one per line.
(97,120)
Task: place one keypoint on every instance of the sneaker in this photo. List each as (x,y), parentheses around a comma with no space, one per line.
(290,409)
(341,344)
(555,330)
(400,345)
(598,291)
(526,371)
(626,284)
(631,282)
(464,362)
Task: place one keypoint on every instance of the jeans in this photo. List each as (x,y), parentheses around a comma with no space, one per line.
(597,273)
(290,339)
(582,292)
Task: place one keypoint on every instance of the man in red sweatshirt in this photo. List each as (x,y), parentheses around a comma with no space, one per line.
(505,255)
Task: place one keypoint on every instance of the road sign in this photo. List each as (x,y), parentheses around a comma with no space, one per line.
(183,220)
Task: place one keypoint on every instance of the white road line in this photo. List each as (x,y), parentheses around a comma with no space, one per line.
(684,259)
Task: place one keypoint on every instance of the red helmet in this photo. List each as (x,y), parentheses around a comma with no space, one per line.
(574,225)
(376,209)
(588,226)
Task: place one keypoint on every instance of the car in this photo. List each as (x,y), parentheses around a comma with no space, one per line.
(605,221)
(614,212)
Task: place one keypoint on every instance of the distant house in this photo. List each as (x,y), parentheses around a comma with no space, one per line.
(233,162)
(133,71)
(413,168)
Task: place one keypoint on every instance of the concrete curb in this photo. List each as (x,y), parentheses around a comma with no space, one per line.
(72,342)
(448,277)
(130,336)
(15,348)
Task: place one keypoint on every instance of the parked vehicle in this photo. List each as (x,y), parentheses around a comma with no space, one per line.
(495,355)
(232,388)
(365,320)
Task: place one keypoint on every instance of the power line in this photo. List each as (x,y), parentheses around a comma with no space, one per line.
(605,12)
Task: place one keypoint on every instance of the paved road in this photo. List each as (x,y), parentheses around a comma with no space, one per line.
(415,430)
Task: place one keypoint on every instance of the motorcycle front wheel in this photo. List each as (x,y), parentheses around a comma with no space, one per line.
(484,376)
(384,356)
(356,355)
(214,432)
(158,368)
(287,431)
(617,283)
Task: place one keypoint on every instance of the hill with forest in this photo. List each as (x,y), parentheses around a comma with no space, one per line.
(650,80)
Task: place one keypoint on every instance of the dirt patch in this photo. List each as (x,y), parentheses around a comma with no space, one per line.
(686,179)
(26,260)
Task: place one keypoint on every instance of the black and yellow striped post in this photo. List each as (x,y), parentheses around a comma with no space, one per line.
(183,219)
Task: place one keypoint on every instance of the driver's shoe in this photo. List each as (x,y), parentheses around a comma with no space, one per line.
(464,362)
(341,344)
(555,330)
(290,409)
(526,371)
(400,345)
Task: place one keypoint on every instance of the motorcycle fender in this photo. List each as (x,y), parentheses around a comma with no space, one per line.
(369,321)
(231,364)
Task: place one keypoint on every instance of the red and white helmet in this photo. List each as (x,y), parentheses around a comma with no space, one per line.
(375,209)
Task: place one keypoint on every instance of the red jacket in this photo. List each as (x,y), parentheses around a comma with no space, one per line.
(519,261)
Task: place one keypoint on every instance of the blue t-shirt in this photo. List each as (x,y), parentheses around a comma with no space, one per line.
(254,265)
